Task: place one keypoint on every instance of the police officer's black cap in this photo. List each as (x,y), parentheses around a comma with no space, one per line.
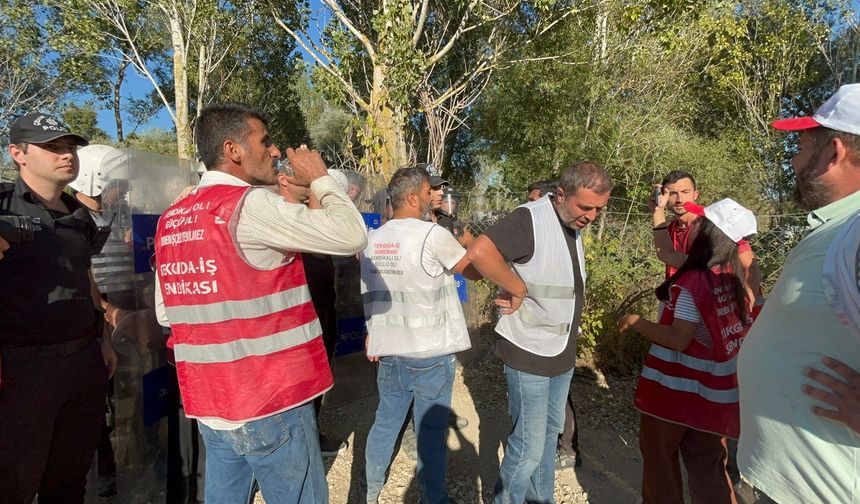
(39,128)
(436,180)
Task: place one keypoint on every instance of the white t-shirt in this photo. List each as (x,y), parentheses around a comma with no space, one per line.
(685,309)
(441,252)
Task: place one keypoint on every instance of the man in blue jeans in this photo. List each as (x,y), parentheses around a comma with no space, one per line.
(541,305)
(231,285)
(415,325)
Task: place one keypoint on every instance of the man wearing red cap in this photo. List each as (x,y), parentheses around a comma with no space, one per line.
(800,406)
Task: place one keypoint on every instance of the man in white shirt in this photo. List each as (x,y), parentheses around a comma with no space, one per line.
(415,325)
(246,339)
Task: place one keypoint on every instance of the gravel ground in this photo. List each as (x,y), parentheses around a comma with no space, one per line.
(608,442)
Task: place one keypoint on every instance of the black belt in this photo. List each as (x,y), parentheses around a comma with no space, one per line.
(29,353)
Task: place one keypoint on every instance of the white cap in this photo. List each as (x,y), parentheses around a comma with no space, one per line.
(341,178)
(98,165)
(841,112)
(729,216)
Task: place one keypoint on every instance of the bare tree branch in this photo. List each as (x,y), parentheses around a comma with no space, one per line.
(327,67)
(419,26)
(338,12)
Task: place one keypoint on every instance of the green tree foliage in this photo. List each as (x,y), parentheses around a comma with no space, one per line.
(32,77)
(645,87)
(82,119)
(385,59)
(263,69)
(330,128)
(154,140)
(763,59)
(97,55)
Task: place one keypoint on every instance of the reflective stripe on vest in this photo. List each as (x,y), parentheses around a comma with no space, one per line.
(697,387)
(249,344)
(726,368)
(241,348)
(413,322)
(426,297)
(537,322)
(244,309)
(551,291)
(542,324)
(692,386)
(410,311)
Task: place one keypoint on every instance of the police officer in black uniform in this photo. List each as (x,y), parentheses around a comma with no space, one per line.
(55,365)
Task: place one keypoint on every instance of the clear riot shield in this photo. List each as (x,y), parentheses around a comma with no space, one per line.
(138,187)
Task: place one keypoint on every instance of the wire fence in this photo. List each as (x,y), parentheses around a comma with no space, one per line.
(630,222)
(621,264)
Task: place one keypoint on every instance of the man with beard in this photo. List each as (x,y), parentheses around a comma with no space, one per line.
(567,451)
(535,255)
(800,406)
(415,325)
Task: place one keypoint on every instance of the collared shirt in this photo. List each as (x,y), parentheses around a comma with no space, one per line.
(269,227)
(786,450)
(45,295)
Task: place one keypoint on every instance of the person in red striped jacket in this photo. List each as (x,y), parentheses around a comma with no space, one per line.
(688,390)
(231,284)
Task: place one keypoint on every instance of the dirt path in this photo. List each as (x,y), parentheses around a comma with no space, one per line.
(610,473)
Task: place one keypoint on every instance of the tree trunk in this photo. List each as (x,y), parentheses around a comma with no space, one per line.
(180,85)
(117,117)
(384,138)
(436,131)
(202,79)
(598,59)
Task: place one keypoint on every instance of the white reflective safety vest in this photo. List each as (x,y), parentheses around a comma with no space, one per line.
(542,323)
(408,312)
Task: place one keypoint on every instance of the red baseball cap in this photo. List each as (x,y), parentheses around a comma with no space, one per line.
(841,112)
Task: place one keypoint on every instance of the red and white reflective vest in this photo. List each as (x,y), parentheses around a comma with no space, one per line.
(247,341)
(699,386)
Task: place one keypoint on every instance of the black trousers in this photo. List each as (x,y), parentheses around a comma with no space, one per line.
(569,438)
(51,415)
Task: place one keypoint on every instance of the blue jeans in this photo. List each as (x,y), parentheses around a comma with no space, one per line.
(429,383)
(536,404)
(280,452)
